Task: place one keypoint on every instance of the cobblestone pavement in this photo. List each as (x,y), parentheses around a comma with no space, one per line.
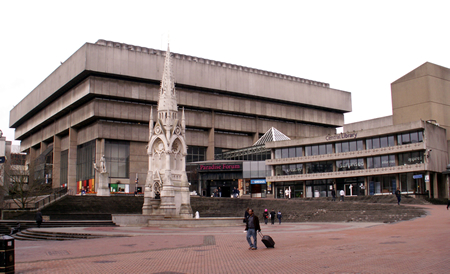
(416,246)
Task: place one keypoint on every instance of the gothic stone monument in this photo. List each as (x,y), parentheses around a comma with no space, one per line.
(166,187)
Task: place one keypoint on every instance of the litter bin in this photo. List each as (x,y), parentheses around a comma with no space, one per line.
(6,254)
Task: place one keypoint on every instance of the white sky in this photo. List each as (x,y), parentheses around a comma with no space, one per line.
(356,46)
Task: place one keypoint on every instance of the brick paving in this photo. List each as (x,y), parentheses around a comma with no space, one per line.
(415,246)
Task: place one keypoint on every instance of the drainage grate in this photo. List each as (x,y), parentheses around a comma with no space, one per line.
(104,262)
(59,252)
(392,243)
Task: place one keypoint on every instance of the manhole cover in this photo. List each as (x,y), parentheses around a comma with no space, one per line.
(209,240)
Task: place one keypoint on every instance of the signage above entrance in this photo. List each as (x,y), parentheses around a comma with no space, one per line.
(341,136)
(419,176)
(258,182)
(221,167)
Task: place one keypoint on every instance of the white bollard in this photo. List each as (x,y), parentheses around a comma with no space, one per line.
(197,215)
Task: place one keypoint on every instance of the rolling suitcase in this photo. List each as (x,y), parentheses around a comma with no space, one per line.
(267,240)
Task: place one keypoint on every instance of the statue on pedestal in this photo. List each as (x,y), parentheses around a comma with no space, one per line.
(103,178)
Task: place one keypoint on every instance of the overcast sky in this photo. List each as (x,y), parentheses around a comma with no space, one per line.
(356,46)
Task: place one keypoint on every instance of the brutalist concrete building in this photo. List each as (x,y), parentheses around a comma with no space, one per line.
(98,103)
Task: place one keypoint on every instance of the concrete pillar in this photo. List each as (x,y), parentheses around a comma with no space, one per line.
(211,144)
(43,147)
(256,134)
(435,186)
(428,185)
(56,180)
(72,162)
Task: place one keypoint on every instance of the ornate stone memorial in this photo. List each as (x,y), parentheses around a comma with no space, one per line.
(166,187)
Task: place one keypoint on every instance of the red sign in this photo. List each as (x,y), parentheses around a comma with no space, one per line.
(220,167)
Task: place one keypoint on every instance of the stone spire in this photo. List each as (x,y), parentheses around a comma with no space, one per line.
(167,105)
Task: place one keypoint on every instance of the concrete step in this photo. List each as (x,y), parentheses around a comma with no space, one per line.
(37,235)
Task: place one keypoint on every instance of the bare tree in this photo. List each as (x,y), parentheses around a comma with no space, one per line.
(23,181)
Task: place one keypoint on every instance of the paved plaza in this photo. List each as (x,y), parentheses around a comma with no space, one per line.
(416,246)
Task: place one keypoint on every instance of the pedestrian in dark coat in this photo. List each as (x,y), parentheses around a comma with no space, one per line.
(333,195)
(399,195)
(38,218)
(266,216)
(246,215)
(251,226)
(272,216)
(279,217)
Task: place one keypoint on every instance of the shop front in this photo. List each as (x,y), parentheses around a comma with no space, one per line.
(258,188)
(219,178)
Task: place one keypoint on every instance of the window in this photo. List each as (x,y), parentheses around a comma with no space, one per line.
(197,154)
(278,153)
(350,164)
(381,161)
(117,156)
(64,167)
(319,167)
(349,146)
(85,161)
(410,138)
(410,158)
(298,152)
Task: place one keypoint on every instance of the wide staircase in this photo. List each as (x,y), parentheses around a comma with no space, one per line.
(86,211)
(360,209)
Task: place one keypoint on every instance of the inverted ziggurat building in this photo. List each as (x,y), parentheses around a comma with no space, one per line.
(98,102)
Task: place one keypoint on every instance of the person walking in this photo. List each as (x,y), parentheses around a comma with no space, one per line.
(272,216)
(235,192)
(333,195)
(246,214)
(38,218)
(220,192)
(252,225)
(279,217)
(342,195)
(266,216)
(398,193)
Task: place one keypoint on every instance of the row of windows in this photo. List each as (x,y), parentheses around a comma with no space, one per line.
(347,146)
(408,158)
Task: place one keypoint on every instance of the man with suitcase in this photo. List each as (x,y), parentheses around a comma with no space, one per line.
(251,226)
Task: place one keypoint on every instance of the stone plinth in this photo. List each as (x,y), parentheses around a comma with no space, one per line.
(102,185)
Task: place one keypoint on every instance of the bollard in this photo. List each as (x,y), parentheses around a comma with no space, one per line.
(6,254)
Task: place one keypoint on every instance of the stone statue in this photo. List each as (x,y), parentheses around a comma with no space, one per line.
(102,168)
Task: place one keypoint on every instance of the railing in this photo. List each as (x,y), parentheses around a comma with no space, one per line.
(50,198)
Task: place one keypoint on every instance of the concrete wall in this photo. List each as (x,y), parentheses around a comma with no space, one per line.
(423,94)
(369,124)
(120,60)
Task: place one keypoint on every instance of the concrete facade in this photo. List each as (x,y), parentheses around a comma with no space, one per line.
(423,93)
(425,173)
(104,91)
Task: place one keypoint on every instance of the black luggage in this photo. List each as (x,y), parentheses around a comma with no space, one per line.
(267,240)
